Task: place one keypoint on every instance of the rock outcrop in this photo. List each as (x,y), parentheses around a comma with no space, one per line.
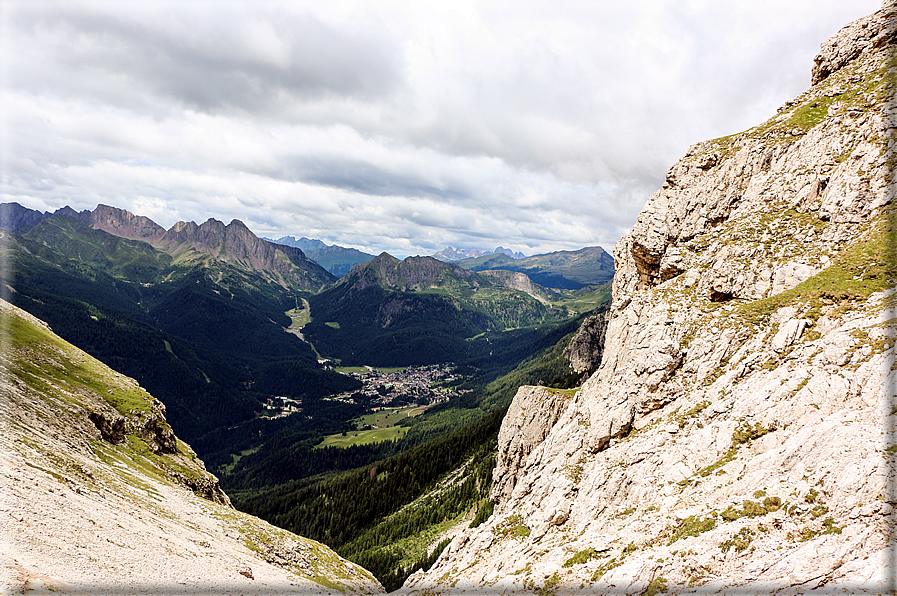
(587,345)
(527,423)
(737,436)
(98,496)
(515,280)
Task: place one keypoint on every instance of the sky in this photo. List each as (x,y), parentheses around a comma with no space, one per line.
(399,126)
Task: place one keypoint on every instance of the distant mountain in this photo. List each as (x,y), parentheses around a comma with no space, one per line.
(507,251)
(190,243)
(337,260)
(419,311)
(15,217)
(304,244)
(450,255)
(563,269)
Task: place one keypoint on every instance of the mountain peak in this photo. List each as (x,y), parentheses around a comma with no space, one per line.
(124,224)
(501,250)
(305,244)
(456,254)
(414,273)
(385,257)
(14,217)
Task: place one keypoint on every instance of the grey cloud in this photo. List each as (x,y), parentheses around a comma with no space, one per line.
(532,125)
(368,179)
(212,65)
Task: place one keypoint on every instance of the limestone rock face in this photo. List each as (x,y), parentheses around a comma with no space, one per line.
(735,437)
(587,345)
(528,421)
(98,496)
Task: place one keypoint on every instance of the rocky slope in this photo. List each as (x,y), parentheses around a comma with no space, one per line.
(738,435)
(98,496)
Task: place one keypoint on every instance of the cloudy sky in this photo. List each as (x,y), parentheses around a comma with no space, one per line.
(402,126)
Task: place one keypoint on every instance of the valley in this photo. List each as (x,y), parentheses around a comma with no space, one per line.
(709,410)
(281,375)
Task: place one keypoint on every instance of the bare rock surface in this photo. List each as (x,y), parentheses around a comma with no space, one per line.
(737,437)
(587,345)
(98,496)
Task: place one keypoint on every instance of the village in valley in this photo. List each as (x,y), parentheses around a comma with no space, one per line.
(384,388)
(421,385)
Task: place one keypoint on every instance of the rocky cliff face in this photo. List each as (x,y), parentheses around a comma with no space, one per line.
(736,437)
(124,223)
(98,496)
(515,280)
(14,217)
(587,345)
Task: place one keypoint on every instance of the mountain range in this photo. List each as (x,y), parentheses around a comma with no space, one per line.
(450,254)
(198,313)
(571,270)
(562,269)
(195,313)
(421,310)
(338,260)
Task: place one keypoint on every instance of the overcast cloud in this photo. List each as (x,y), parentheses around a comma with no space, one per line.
(400,126)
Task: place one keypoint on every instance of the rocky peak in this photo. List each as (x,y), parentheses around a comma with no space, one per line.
(501,250)
(233,243)
(15,218)
(456,254)
(124,224)
(186,228)
(306,244)
(411,274)
(865,35)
